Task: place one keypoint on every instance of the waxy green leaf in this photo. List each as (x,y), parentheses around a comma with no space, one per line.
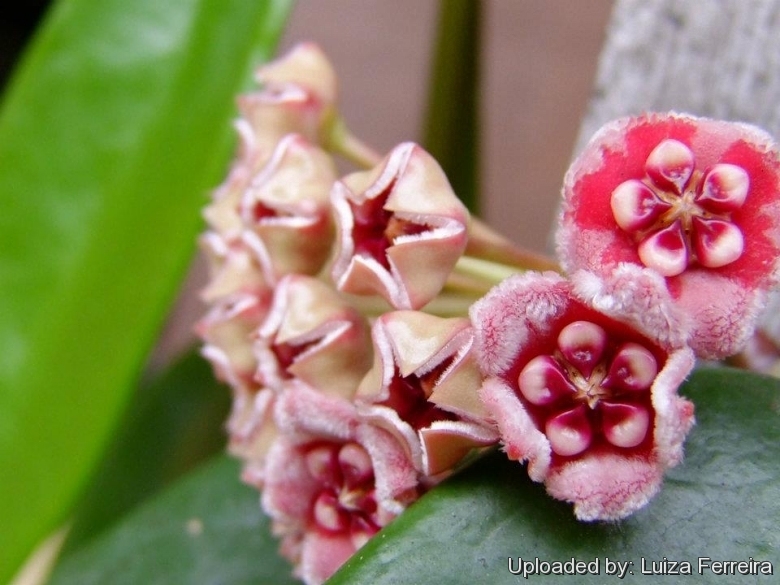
(723,502)
(113,130)
(207,529)
(173,422)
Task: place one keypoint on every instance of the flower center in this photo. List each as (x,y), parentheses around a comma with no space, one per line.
(345,502)
(408,396)
(590,387)
(680,215)
(376,228)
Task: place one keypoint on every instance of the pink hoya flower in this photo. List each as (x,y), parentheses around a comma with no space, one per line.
(423,388)
(297,94)
(693,199)
(233,269)
(281,213)
(332,480)
(582,384)
(400,229)
(313,334)
(227,331)
(285,208)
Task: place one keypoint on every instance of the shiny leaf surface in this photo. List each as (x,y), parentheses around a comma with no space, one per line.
(114,128)
(207,529)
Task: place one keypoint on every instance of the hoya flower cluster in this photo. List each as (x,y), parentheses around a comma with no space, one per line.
(374,334)
(345,410)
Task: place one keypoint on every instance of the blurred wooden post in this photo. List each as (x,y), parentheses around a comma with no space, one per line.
(716,58)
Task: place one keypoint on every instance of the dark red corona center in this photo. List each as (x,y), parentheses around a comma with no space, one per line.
(590,388)
(345,502)
(375,228)
(680,215)
(408,396)
(287,353)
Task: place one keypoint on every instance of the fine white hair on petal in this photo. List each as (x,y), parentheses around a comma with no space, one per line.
(513,311)
(723,317)
(605,486)
(521,440)
(673,414)
(303,411)
(638,296)
(388,419)
(396,479)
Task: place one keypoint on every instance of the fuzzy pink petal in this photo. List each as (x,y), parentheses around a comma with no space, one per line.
(721,318)
(302,410)
(673,414)
(637,295)
(388,419)
(321,555)
(300,472)
(396,477)
(521,440)
(605,486)
(513,313)
(289,488)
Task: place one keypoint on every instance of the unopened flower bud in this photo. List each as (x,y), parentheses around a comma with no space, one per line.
(312,334)
(286,209)
(297,95)
(423,388)
(400,229)
(233,269)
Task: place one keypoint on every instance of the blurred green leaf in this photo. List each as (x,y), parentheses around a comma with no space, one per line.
(174,422)
(723,502)
(452,119)
(207,529)
(113,129)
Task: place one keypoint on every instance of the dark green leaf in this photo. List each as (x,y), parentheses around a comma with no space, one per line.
(452,119)
(723,502)
(208,529)
(174,422)
(114,129)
